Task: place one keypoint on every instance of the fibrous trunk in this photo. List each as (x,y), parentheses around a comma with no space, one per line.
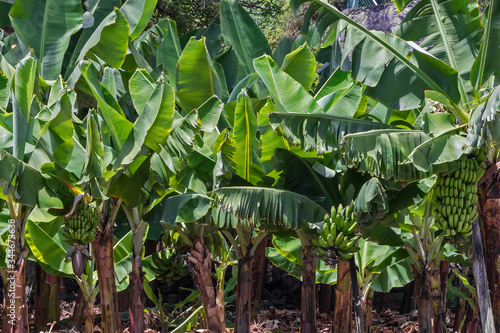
(89,316)
(46,299)
(79,312)
(137,295)
(102,248)
(308,291)
(489,213)
(429,304)
(260,262)
(15,313)
(244,295)
(367,306)
(342,322)
(200,260)
(325,298)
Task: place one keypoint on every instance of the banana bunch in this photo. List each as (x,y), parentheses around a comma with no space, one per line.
(168,265)
(172,239)
(339,234)
(80,223)
(456,195)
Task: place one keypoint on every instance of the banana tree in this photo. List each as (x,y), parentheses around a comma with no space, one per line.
(396,69)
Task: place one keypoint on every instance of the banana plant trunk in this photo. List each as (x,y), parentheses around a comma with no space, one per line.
(367,307)
(136,276)
(89,317)
(79,312)
(200,261)
(429,304)
(15,307)
(103,254)
(244,295)
(342,318)
(260,263)
(489,214)
(46,299)
(308,290)
(137,295)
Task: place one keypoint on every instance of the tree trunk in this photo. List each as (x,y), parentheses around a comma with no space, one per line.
(15,316)
(89,316)
(356,297)
(260,263)
(489,214)
(103,254)
(325,298)
(15,307)
(342,318)
(367,307)
(46,299)
(79,311)
(244,295)
(443,276)
(137,295)
(201,264)
(429,304)
(308,291)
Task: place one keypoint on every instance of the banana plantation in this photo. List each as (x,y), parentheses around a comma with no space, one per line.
(135,161)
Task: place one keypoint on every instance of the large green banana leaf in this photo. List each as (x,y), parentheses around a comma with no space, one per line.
(382,60)
(300,64)
(195,77)
(265,209)
(486,63)
(382,153)
(451,31)
(46,26)
(300,176)
(286,255)
(118,125)
(288,94)
(137,13)
(485,121)
(246,153)
(319,132)
(239,29)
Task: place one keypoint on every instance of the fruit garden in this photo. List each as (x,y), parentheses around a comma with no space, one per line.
(346,157)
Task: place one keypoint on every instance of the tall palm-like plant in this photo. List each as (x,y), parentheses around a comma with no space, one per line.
(409,73)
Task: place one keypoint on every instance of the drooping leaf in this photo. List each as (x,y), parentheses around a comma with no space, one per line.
(115,33)
(382,60)
(188,208)
(153,126)
(319,132)
(381,152)
(49,249)
(395,271)
(59,138)
(449,30)
(129,185)
(266,208)
(26,184)
(300,177)
(371,202)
